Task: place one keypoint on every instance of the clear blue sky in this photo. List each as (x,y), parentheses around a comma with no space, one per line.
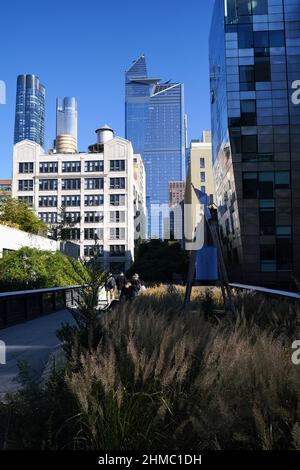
(82,48)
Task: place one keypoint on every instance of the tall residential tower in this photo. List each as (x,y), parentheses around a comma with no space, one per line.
(30,110)
(155,124)
(66,125)
(254,63)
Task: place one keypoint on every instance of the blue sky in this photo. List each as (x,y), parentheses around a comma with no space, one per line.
(83,48)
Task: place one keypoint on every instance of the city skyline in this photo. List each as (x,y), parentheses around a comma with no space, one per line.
(97,84)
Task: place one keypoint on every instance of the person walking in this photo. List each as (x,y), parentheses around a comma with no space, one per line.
(121,283)
(110,285)
(136,285)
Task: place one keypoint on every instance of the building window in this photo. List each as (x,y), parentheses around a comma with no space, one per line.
(250,185)
(284,248)
(117,183)
(249,143)
(245,36)
(117,216)
(268,258)
(47,201)
(267,217)
(72,217)
(282,180)
(70,184)
(48,167)
(117,233)
(93,217)
(94,200)
(25,185)
(117,250)
(247,78)
(93,166)
(203,189)
(72,201)
(248,112)
(48,185)
(71,167)
(262,69)
(117,199)
(93,250)
(266,184)
(202,162)
(117,165)
(202,176)
(71,233)
(93,233)
(48,217)
(26,167)
(27,199)
(93,183)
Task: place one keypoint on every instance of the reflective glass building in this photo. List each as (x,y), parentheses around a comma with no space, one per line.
(254,63)
(66,116)
(30,110)
(155,124)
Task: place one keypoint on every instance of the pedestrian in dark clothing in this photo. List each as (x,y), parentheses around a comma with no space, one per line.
(128,291)
(110,285)
(136,284)
(121,283)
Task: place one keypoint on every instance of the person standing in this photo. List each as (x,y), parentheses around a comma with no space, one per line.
(136,284)
(110,285)
(121,283)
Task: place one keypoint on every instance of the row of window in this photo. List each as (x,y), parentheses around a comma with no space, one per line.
(75,201)
(114,250)
(94,166)
(263,184)
(72,184)
(89,217)
(94,233)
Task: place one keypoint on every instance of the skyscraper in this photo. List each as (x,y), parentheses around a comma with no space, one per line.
(66,120)
(30,110)
(254,62)
(155,124)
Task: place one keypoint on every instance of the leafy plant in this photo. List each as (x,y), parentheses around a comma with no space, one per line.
(18,214)
(29,268)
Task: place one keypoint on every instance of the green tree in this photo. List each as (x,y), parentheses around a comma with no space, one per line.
(158,260)
(18,214)
(29,268)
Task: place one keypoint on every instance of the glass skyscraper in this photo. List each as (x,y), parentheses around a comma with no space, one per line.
(30,110)
(254,63)
(66,116)
(155,124)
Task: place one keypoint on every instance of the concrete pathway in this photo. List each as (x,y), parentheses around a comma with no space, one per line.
(33,342)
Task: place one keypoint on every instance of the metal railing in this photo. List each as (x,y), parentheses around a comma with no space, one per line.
(20,306)
(265,290)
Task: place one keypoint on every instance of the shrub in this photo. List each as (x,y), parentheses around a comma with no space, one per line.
(18,214)
(29,268)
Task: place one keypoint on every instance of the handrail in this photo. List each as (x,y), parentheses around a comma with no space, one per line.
(39,291)
(264,290)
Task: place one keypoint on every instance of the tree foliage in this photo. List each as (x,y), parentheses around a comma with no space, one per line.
(158,260)
(29,268)
(18,214)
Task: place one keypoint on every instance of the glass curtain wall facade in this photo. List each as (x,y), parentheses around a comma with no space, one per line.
(30,110)
(254,63)
(66,116)
(155,124)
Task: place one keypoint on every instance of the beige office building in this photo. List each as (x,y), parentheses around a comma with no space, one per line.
(102,192)
(199,176)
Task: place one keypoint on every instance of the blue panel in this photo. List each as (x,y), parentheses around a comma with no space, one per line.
(207,264)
